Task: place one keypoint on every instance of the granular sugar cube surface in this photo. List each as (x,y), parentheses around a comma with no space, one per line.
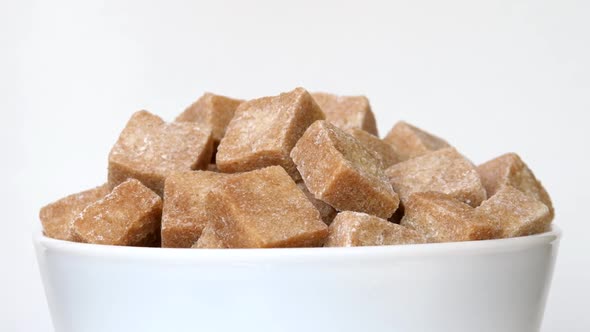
(353,229)
(516,213)
(338,170)
(185,213)
(445,171)
(382,151)
(347,112)
(442,218)
(149,150)
(263,131)
(209,240)
(57,218)
(509,169)
(327,212)
(128,216)
(410,142)
(212,111)
(264,209)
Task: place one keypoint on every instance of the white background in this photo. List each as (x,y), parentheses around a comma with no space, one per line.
(489,76)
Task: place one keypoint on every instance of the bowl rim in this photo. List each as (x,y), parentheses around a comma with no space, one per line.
(44,243)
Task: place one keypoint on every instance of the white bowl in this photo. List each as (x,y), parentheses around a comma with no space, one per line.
(494,285)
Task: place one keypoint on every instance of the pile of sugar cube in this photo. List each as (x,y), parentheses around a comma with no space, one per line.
(295,170)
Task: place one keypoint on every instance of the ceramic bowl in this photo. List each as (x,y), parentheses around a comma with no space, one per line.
(493,285)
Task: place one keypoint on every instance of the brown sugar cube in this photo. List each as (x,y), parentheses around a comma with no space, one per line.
(263,132)
(209,240)
(128,216)
(355,229)
(57,217)
(509,169)
(442,218)
(347,112)
(516,213)
(212,111)
(338,170)
(383,151)
(149,150)
(445,171)
(185,214)
(264,209)
(410,142)
(327,212)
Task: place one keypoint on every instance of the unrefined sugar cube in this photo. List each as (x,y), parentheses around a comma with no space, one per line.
(509,169)
(149,150)
(516,213)
(410,142)
(264,209)
(353,229)
(338,170)
(347,112)
(128,216)
(327,212)
(445,171)
(383,151)
(442,218)
(263,131)
(185,214)
(57,218)
(212,111)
